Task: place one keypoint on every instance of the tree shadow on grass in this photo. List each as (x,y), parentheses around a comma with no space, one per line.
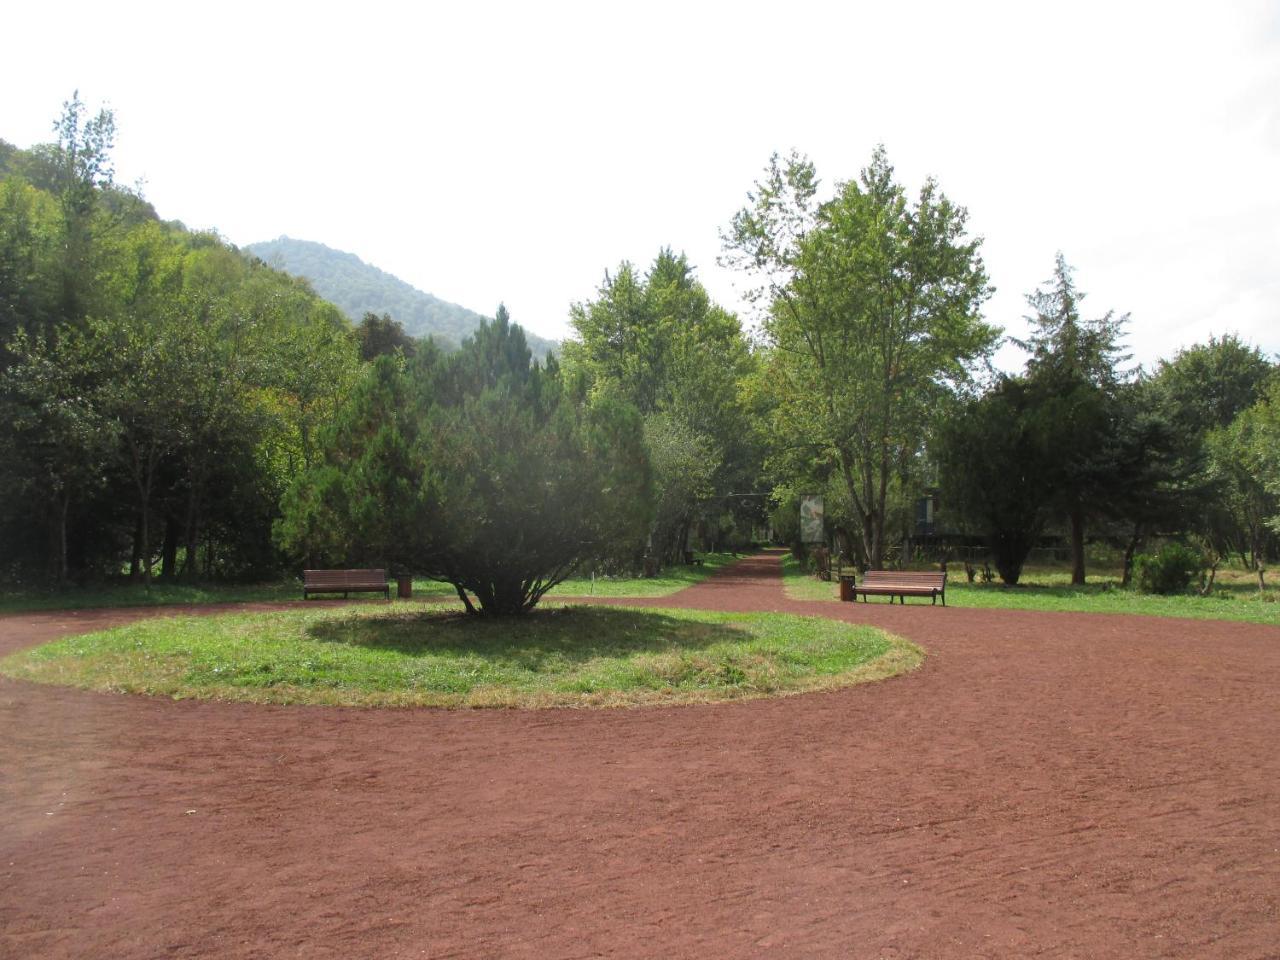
(542,638)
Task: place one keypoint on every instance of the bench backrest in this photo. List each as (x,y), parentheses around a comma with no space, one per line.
(906,578)
(337,578)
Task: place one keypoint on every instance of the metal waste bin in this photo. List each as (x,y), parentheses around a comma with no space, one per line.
(846,586)
(404,587)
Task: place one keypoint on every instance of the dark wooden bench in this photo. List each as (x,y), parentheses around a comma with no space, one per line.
(345,582)
(902,584)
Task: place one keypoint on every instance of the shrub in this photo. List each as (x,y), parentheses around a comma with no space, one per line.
(483,468)
(1172,570)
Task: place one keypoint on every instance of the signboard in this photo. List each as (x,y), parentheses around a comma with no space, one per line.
(811,529)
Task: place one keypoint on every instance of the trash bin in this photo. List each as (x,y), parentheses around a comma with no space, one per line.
(404,587)
(846,586)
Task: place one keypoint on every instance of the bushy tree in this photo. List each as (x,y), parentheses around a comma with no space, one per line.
(658,342)
(363,503)
(993,456)
(380,335)
(872,319)
(1205,389)
(495,476)
(1207,385)
(1244,462)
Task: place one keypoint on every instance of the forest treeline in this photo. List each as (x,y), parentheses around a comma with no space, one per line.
(175,407)
(159,388)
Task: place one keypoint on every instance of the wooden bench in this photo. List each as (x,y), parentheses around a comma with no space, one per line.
(902,584)
(345,582)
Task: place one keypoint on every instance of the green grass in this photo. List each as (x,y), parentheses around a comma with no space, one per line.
(1049,588)
(407,656)
(126,594)
(667,582)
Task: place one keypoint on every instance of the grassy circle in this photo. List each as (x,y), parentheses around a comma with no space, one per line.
(556,657)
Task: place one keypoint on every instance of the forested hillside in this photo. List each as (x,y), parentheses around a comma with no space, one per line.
(158,388)
(359,288)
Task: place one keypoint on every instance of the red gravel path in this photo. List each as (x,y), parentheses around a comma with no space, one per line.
(1047,785)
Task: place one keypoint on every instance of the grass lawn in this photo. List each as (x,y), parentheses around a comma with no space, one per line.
(1236,596)
(407,656)
(124,594)
(668,580)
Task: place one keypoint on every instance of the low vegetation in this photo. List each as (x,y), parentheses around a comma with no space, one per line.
(163,593)
(1235,597)
(405,656)
(667,582)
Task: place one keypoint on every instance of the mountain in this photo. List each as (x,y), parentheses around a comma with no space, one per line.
(358,288)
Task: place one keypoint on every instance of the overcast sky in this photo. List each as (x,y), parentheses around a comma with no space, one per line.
(489,152)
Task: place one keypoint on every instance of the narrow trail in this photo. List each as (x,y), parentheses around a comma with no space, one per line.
(1046,785)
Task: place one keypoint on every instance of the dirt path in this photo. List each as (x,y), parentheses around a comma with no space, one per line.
(1047,785)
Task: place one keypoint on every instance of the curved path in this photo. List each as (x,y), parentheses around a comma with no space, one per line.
(1047,785)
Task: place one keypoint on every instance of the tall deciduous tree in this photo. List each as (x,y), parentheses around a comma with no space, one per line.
(1245,462)
(56,443)
(658,342)
(1204,388)
(873,317)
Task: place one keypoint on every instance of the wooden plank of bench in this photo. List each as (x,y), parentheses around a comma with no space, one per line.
(345,582)
(902,584)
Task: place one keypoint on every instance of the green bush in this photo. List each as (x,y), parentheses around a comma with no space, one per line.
(1172,570)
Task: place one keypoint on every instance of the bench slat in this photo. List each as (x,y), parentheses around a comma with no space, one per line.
(902,584)
(345,581)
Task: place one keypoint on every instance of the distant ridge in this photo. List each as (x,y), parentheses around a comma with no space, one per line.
(357,288)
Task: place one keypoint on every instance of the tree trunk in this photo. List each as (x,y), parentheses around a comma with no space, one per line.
(1134,543)
(146,542)
(135,558)
(190,535)
(169,551)
(1206,588)
(466,601)
(1077,546)
(62,536)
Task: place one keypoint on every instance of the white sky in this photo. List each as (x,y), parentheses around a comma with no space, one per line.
(488,152)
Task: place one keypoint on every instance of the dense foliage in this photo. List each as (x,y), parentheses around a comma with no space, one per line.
(872,321)
(1170,570)
(158,388)
(166,399)
(658,342)
(995,455)
(482,468)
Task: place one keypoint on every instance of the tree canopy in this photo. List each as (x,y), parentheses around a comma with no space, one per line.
(872,318)
(658,342)
(483,468)
(160,385)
